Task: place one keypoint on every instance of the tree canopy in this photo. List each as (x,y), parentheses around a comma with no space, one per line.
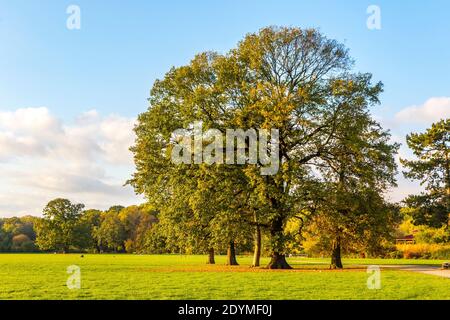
(432,168)
(60,227)
(293,80)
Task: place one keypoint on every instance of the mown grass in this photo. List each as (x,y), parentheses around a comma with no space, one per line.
(44,276)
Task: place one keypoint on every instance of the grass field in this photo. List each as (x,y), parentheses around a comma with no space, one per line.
(44,276)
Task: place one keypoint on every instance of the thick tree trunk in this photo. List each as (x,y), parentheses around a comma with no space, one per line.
(231,255)
(336,262)
(257,252)
(278,260)
(211,256)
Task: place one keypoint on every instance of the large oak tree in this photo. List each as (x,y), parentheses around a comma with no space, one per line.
(297,81)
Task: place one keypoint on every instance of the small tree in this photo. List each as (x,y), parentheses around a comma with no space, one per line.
(90,222)
(111,233)
(22,243)
(432,168)
(59,228)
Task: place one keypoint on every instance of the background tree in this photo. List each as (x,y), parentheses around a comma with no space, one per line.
(353,222)
(23,225)
(422,233)
(360,166)
(111,235)
(59,229)
(90,221)
(137,220)
(5,239)
(432,168)
(22,243)
(17,234)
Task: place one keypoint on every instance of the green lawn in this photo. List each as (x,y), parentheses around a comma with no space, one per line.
(43,276)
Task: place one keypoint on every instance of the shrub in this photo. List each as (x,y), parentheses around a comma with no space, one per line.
(424,251)
(129,246)
(22,243)
(432,235)
(396,254)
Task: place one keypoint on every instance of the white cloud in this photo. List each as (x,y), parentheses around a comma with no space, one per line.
(412,119)
(24,131)
(87,160)
(42,158)
(405,187)
(433,110)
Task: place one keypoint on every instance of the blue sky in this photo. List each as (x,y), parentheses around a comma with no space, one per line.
(109,65)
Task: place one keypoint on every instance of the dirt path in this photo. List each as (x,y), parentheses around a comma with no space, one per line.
(435,271)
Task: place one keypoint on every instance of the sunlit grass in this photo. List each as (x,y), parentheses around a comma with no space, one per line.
(44,276)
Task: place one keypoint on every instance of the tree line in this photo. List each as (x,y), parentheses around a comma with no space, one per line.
(66,227)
